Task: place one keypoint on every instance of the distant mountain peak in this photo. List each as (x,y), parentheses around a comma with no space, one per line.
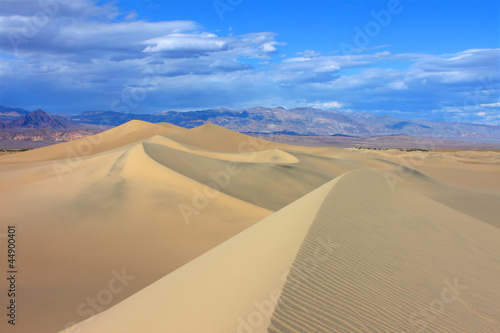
(40,114)
(41,119)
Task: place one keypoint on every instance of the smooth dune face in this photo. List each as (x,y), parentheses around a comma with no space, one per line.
(229,288)
(265,156)
(216,138)
(172,126)
(204,230)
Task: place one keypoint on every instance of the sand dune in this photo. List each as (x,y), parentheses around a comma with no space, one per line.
(471,186)
(172,126)
(216,138)
(117,137)
(353,273)
(221,220)
(405,264)
(249,179)
(234,276)
(476,170)
(256,156)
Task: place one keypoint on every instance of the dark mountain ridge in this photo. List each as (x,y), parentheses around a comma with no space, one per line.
(41,119)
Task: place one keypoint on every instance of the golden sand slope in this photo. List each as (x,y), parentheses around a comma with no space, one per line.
(148,199)
(172,126)
(468,181)
(117,137)
(218,138)
(231,279)
(406,264)
(403,263)
(259,156)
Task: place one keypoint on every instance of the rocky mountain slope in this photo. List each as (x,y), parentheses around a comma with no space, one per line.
(41,119)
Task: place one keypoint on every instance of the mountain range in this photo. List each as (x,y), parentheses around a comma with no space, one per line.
(37,119)
(260,120)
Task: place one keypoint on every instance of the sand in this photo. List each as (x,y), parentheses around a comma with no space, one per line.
(213,227)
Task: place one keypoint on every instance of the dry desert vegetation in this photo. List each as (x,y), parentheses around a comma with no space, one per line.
(156,228)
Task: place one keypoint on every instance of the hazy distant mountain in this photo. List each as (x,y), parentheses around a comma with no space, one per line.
(9,109)
(8,113)
(41,119)
(302,121)
(298,121)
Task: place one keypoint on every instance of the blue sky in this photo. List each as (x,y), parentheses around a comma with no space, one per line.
(435,60)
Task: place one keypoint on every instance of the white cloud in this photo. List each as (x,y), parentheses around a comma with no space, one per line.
(309,54)
(268,47)
(327,105)
(203,42)
(398,85)
(491,105)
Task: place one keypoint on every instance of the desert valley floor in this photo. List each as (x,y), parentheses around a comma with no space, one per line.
(156,228)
